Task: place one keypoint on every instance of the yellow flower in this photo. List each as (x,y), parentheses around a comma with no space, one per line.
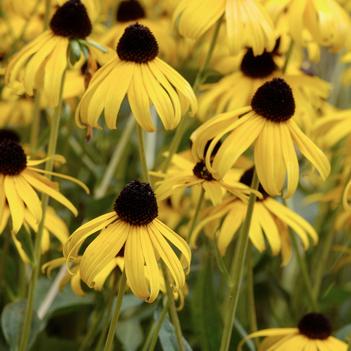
(270,221)
(19,181)
(136,71)
(41,63)
(131,12)
(237,89)
(325,21)
(313,333)
(134,232)
(53,225)
(269,126)
(248,23)
(187,173)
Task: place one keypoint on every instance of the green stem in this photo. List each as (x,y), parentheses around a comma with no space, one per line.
(4,255)
(142,155)
(251,293)
(116,313)
(151,340)
(28,315)
(196,214)
(47,13)
(181,129)
(304,271)
(288,56)
(115,159)
(236,271)
(35,127)
(173,311)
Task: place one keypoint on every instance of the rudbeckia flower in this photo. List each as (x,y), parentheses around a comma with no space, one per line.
(248,23)
(134,232)
(131,12)
(313,333)
(270,222)
(137,72)
(269,126)
(236,90)
(184,173)
(41,63)
(325,21)
(20,180)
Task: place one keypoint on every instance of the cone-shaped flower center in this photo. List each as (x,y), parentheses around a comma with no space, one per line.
(260,66)
(9,134)
(13,160)
(71,20)
(274,101)
(137,44)
(315,326)
(136,204)
(130,10)
(201,171)
(246,179)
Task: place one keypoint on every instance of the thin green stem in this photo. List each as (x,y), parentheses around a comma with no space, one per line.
(115,159)
(181,129)
(116,313)
(304,271)
(35,127)
(236,270)
(288,56)
(151,340)
(47,13)
(28,315)
(251,293)
(173,311)
(142,155)
(4,255)
(196,214)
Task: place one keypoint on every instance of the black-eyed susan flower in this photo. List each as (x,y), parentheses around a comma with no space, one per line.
(248,23)
(134,232)
(131,12)
(325,22)
(184,173)
(313,333)
(20,180)
(138,73)
(236,89)
(270,223)
(41,63)
(268,125)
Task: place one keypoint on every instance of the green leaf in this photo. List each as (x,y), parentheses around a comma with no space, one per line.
(344,333)
(167,336)
(130,333)
(206,317)
(11,323)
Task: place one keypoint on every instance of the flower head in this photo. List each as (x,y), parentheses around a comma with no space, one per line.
(144,78)
(267,124)
(313,332)
(133,232)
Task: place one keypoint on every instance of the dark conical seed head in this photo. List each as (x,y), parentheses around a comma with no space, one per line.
(130,10)
(274,101)
(260,66)
(246,179)
(9,134)
(202,172)
(71,20)
(136,204)
(137,44)
(13,160)
(315,326)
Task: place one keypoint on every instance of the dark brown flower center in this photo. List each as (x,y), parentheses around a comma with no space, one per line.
(71,20)
(9,134)
(201,171)
(136,204)
(130,10)
(315,326)
(260,66)
(137,44)
(13,160)
(274,101)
